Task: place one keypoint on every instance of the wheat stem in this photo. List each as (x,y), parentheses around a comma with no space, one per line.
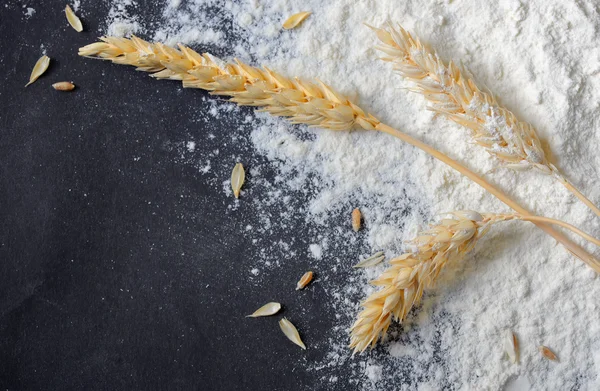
(575,249)
(302,102)
(579,195)
(515,143)
(409,275)
(560,223)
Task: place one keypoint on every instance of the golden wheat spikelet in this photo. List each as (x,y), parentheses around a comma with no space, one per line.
(311,103)
(410,274)
(515,143)
(314,104)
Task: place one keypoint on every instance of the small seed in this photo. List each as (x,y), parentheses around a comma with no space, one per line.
(238,175)
(373,260)
(511,346)
(291,332)
(549,354)
(63,86)
(305,280)
(38,70)
(73,19)
(266,310)
(356,219)
(295,20)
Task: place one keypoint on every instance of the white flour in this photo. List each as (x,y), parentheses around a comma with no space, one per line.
(123,18)
(541,58)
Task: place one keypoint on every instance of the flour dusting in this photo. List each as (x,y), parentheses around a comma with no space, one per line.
(541,59)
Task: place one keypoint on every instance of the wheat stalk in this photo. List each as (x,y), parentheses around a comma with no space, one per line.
(410,274)
(302,102)
(515,143)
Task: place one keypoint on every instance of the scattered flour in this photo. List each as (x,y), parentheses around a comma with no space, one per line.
(374,373)
(316,251)
(542,59)
(122,19)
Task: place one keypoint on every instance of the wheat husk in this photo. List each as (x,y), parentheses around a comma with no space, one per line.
(40,67)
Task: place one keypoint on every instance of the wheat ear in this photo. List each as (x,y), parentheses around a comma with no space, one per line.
(410,274)
(515,143)
(302,102)
(314,104)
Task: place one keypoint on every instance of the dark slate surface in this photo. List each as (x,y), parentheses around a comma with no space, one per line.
(121,268)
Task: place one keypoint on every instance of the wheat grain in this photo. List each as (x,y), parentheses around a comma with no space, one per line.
(515,143)
(403,283)
(356,219)
(304,280)
(312,103)
(547,353)
(63,86)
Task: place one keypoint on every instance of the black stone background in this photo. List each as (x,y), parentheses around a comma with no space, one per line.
(120,267)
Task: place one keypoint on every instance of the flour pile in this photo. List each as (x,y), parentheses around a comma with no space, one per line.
(541,59)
